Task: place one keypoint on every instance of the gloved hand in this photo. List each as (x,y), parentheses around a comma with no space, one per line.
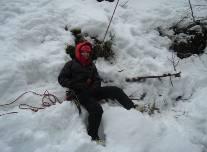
(88,82)
(79,86)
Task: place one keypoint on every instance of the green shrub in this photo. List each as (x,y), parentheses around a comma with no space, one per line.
(100,49)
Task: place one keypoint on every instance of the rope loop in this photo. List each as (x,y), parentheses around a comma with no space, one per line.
(51,100)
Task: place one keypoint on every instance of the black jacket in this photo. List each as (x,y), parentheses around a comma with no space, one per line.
(75,76)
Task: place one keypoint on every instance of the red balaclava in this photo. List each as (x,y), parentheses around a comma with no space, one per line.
(83,47)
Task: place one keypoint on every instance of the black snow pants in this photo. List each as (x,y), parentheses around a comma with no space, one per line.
(90,100)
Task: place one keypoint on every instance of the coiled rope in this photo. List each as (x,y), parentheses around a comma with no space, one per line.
(51,100)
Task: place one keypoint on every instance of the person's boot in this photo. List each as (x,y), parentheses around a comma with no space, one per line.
(148,108)
(95,137)
(140,107)
(98,140)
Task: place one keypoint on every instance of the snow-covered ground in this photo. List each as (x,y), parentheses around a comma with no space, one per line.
(32,42)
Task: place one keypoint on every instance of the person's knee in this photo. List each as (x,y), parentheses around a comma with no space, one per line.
(116,89)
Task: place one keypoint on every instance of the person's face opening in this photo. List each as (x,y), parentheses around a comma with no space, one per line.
(85,54)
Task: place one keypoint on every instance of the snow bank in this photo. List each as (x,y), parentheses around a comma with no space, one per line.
(32,42)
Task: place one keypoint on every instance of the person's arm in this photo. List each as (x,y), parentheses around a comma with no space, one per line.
(65,75)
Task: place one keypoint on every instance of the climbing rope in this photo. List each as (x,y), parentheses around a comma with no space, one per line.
(71,95)
(51,100)
(8,113)
(110,21)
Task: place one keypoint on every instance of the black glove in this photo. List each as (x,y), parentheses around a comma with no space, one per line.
(88,82)
(79,86)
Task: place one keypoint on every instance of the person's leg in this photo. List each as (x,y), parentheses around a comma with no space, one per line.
(113,92)
(95,113)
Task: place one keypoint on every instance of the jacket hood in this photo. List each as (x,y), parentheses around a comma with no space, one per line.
(86,46)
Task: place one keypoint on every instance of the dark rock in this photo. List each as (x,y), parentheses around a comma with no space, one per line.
(188,39)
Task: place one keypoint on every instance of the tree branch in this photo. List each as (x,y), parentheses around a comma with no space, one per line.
(174,63)
(140,79)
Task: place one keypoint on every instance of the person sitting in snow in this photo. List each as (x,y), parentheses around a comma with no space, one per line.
(80,75)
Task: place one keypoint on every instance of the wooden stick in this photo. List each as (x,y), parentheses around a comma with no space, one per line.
(149,77)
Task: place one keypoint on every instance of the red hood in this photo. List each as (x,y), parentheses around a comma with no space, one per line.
(78,56)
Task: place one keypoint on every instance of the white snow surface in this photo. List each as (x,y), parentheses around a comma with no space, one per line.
(32,43)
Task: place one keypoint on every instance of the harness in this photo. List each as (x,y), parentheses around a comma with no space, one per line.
(71,96)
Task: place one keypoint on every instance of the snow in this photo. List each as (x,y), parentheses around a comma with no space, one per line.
(32,42)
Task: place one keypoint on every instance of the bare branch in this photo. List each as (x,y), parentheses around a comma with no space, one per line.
(124,4)
(200,5)
(174,63)
(171,81)
(139,79)
(175,25)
